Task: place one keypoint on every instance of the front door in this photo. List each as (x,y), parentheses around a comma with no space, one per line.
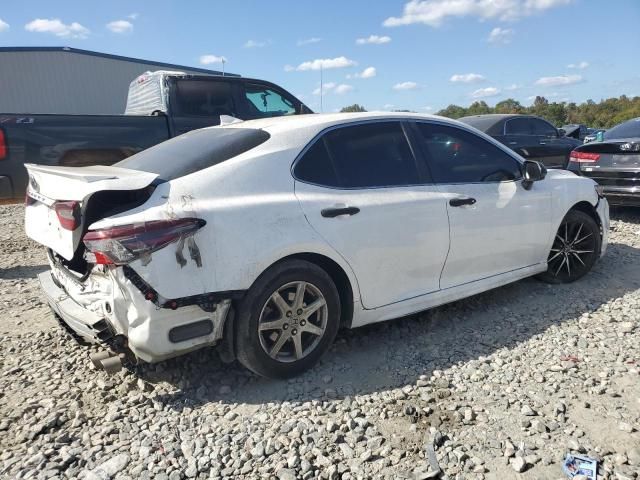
(362,191)
(496,225)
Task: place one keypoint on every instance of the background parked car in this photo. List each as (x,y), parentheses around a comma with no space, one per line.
(532,137)
(593,134)
(575,130)
(160,105)
(614,163)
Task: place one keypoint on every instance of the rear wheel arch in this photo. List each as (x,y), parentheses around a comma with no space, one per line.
(338,275)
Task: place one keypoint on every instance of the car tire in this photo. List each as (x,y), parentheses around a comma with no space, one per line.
(281,340)
(575,249)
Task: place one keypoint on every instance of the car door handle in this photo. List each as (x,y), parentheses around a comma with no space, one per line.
(513,143)
(459,202)
(336,212)
(543,143)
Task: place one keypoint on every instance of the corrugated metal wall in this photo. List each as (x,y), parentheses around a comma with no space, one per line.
(66,82)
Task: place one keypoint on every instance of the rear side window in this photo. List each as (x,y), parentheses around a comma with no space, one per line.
(316,166)
(518,126)
(458,156)
(194,151)
(202,98)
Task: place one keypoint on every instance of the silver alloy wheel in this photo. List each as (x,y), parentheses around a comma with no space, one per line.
(570,248)
(292,321)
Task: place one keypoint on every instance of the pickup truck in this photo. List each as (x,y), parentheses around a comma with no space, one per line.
(160,105)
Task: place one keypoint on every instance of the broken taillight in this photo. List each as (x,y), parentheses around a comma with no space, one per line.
(126,243)
(583,157)
(68,213)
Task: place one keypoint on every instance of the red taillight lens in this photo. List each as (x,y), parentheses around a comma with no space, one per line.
(584,157)
(68,214)
(126,243)
(3,145)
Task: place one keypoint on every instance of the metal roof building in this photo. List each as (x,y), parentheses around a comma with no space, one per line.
(71,81)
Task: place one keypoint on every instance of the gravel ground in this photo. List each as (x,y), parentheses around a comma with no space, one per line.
(505,382)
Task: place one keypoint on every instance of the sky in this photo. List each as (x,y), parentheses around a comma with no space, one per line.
(420,55)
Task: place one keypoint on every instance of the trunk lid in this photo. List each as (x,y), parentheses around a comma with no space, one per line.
(51,186)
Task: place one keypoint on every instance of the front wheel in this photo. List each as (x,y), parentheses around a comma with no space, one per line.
(287,320)
(575,249)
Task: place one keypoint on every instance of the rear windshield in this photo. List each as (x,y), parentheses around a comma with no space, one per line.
(628,129)
(194,151)
(481,123)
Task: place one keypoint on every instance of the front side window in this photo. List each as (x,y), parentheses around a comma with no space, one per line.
(202,98)
(458,156)
(540,127)
(263,101)
(360,156)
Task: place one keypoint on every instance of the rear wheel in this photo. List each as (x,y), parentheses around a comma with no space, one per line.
(575,248)
(287,320)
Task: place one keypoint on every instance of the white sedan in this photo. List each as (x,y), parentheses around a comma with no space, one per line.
(267,236)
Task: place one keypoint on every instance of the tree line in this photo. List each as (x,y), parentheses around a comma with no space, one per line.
(604,114)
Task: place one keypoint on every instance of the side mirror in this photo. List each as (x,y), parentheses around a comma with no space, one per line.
(533,172)
(562,132)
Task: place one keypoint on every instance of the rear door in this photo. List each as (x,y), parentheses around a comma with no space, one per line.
(496,225)
(363,192)
(553,149)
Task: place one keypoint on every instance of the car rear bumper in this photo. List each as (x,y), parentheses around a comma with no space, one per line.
(623,195)
(107,308)
(6,188)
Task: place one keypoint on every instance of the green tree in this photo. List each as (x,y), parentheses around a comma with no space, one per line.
(452,111)
(353,108)
(508,106)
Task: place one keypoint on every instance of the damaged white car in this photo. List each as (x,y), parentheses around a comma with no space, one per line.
(267,236)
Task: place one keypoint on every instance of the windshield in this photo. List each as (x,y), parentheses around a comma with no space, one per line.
(630,129)
(194,151)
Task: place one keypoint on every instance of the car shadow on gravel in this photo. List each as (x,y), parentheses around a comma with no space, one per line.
(387,356)
(20,272)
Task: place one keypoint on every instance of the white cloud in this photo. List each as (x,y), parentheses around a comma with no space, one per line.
(368,72)
(308,41)
(4,26)
(434,12)
(580,66)
(332,87)
(513,86)
(467,78)
(325,63)
(57,28)
(388,106)
(374,39)
(133,16)
(343,88)
(500,35)
(209,59)
(255,44)
(485,92)
(120,26)
(427,108)
(559,80)
(405,86)
(326,88)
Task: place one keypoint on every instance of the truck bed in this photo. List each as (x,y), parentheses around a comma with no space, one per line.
(70,140)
